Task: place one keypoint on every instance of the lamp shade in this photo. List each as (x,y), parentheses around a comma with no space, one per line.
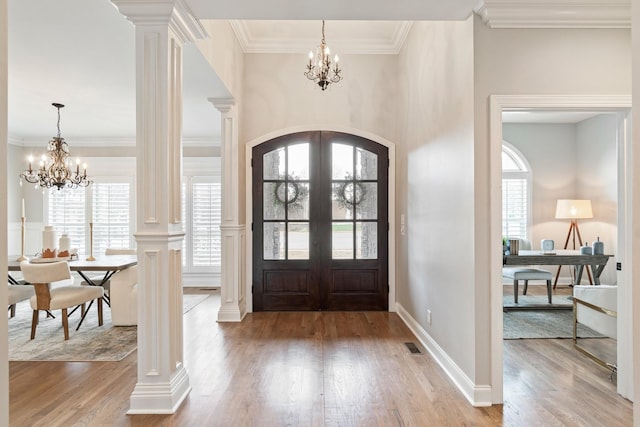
(573,209)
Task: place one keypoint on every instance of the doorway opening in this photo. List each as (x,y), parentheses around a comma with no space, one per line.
(620,105)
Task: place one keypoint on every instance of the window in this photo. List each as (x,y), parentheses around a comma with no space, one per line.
(105,203)
(66,213)
(516,179)
(201,212)
(111,216)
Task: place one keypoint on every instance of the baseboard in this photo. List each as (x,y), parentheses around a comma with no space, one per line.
(477,395)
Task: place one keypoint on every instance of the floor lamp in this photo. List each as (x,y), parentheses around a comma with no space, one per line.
(573,210)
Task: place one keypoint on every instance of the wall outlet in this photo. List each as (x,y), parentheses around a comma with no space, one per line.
(428,316)
(619,266)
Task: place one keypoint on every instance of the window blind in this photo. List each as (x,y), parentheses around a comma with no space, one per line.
(66,213)
(201,214)
(514,207)
(205,223)
(111,214)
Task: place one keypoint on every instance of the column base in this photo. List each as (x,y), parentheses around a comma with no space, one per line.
(160,398)
(231,314)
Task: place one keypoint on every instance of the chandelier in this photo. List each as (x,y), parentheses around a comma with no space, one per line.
(55,170)
(319,67)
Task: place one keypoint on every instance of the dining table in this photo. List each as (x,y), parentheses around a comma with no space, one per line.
(573,258)
(107,264)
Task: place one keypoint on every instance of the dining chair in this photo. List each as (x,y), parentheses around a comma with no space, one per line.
(527,273)
(59,298)
(17,293)
(106,284)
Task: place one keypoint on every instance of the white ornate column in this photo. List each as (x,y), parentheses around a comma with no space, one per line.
(232,290)
(162,26)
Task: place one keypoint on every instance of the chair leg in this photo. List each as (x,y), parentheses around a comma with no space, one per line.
(34,323)
(526,285)
(549,290)
(99,311)
(12,309)
(65,324)
(515,291)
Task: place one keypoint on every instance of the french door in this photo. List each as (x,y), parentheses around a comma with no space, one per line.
(320,226)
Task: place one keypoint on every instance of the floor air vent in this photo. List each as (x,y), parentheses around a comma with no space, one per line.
(412,348)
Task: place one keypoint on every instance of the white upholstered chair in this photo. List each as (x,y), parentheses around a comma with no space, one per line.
(16,294)
(123,292)
(527,273)
(60,298)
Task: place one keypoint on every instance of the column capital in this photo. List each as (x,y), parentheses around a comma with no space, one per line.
(174,13)
(224,105)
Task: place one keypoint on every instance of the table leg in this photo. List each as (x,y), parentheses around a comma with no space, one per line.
(597,271)
(579,270)
(107,276)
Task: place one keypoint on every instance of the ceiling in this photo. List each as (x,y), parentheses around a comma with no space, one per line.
(81,53)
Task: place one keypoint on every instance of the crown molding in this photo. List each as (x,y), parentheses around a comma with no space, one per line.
(556,13)
(250,43)
(106,142)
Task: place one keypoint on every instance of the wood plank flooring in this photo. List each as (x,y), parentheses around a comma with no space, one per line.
(319,369)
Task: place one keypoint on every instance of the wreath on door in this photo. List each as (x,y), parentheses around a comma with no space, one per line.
(290,192)
(349,193)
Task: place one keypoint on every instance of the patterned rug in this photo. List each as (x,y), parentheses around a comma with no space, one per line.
(91,343)
(537,302)
(543,324)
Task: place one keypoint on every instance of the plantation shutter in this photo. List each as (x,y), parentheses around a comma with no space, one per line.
(111,216)
(514,207)
(205,223)
(66,213)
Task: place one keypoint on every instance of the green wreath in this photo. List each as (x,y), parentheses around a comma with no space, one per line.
(350,193)
(289,192)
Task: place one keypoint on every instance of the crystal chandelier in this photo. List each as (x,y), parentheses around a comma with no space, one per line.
(55,170)
(319,67)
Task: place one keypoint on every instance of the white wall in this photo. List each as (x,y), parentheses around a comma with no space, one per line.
(436,189)
(597,179)
(278,95)
(571,161)
(532,62)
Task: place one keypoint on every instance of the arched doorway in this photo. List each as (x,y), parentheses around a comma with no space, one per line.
(320,223)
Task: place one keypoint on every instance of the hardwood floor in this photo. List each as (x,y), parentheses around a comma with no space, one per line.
(319,369)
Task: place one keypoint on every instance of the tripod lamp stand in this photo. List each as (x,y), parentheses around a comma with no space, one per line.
(573,210)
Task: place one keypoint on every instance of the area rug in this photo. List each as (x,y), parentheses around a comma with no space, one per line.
(537,302)
(91,343)
(543,324)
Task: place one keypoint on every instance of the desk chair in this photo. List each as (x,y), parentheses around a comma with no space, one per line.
(60,298)
(526,273)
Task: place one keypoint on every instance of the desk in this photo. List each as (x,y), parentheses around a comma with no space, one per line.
(110,264)
(574,258)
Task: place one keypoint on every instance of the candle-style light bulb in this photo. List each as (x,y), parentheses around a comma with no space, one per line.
(30,162)
(336,59)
